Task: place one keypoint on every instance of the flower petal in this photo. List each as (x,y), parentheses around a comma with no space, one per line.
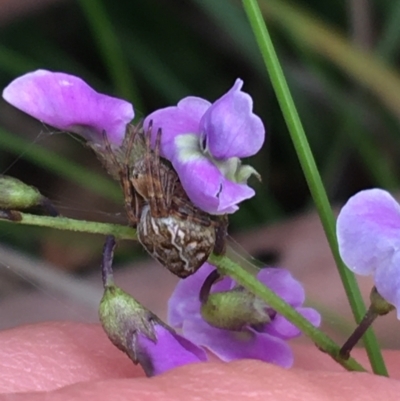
(368,229)
(170,351)
(181,119)
(387,281)
(184,302)
(230,127)
(283,284)
(232,345)
(206,187)
(282,328)
(231,194)
(68,103)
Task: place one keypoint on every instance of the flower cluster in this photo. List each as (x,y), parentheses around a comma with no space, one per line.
(158,348)
(203,141)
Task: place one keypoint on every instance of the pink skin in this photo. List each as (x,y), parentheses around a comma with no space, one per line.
(65,361)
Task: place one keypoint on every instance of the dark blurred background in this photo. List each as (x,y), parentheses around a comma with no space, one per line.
(340,59)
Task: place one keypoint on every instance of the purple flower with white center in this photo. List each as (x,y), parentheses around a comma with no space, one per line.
(68,103)
(368,231)
(204,142)
(266,343)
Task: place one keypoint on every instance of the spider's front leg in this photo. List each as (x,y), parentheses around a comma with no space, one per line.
(160,182)
(131,199)
(221,232)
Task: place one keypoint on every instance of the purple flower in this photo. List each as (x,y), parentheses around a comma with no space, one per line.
(266,343)
(68,103)
(368,228)
(205,142)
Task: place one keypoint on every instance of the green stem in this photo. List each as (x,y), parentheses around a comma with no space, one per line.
(322,341)
(311,174)
(359,331)
(67,224)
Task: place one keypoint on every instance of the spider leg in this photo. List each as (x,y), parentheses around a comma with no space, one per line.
(131,204)
(132,131)
(138,204)
(123,172)
(221,232)
(171,185)
(154,209)
(160,195)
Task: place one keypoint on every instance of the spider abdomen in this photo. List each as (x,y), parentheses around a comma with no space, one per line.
(179,244)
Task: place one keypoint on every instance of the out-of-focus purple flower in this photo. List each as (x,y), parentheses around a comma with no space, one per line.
(68,103)
(205,141)
(266,343)
(368,228)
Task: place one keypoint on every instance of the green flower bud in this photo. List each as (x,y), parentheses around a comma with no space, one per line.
(14,194)
(379,305)
(234,309)
(123,318)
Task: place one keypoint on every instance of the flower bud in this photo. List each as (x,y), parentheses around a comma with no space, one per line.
(14,194)
(234,309)
(378,304)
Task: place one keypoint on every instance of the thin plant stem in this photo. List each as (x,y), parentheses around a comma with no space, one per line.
(351,342)
(311,174)
(67,224)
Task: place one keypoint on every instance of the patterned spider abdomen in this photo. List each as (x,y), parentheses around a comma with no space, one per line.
(181,245)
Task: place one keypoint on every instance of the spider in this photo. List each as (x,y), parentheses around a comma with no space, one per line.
(169,226)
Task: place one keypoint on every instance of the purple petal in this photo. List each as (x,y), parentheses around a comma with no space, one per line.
(311,315)
(230,345)
(232,193)
(282,328)
(184,302)
(283,284)
(66,102)
(170,351)
(207,188)
(181,119)
(368,229)
(230,126)
(387,281)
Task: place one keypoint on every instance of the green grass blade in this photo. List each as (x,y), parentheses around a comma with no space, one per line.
(311,173)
